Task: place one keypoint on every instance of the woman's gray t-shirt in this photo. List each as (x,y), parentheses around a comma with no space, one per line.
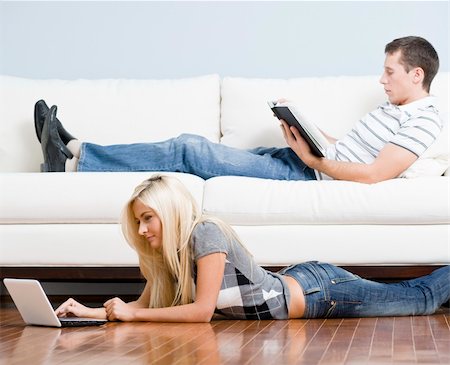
(248,291)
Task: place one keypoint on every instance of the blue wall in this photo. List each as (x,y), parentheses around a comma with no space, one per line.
(177,39)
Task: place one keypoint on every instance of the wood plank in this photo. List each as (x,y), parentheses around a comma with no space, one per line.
(361,345)
(403,342)
(339,347)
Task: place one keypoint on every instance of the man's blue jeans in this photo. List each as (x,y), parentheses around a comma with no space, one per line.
(331,291)
(195,155)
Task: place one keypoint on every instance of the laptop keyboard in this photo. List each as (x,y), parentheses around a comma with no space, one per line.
(79,323)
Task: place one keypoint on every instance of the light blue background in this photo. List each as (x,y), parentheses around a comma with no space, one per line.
(180,39)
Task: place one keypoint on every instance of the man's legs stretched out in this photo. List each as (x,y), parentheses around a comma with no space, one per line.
(195,155)
(186,153)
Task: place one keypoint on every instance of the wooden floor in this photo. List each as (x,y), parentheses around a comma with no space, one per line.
(408,340)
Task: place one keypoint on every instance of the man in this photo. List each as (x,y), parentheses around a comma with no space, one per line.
(410,66)
(381,146)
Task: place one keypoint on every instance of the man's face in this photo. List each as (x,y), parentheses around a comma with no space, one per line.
(399,84)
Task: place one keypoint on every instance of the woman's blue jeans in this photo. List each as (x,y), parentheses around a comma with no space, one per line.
(195,155)
(331,291)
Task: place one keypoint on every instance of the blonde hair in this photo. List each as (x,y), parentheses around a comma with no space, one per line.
(168,270)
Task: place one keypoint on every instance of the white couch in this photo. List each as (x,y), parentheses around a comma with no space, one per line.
(71,219)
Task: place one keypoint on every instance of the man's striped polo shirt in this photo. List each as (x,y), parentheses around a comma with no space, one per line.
(414,126)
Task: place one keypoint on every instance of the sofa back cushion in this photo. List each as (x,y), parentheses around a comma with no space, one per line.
(105,112)
(334,104)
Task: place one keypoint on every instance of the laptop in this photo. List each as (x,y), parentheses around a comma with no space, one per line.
(35,308)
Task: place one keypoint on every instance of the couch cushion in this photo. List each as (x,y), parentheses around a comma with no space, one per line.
(86,197)
(65,245)
(104,245)
(250,201)
(105,112)
(376,244)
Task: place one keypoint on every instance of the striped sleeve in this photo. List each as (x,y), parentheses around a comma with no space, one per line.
(418,132)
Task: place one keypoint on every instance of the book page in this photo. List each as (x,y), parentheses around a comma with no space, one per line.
(310,128)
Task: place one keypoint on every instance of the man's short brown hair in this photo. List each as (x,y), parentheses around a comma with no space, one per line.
(416,52)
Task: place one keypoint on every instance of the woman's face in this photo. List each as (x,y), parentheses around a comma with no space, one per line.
(149,224)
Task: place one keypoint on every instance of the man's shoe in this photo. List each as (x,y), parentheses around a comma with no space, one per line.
(40,113)
(53,148)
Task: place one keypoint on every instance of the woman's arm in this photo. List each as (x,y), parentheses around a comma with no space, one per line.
(72,307)
(210,270)
(144,298)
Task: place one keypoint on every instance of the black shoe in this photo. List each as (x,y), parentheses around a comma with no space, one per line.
(40,113)
(53,148)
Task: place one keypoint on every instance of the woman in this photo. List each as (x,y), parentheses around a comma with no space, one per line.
(196,266)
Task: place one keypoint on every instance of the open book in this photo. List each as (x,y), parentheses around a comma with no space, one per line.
(310,133)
